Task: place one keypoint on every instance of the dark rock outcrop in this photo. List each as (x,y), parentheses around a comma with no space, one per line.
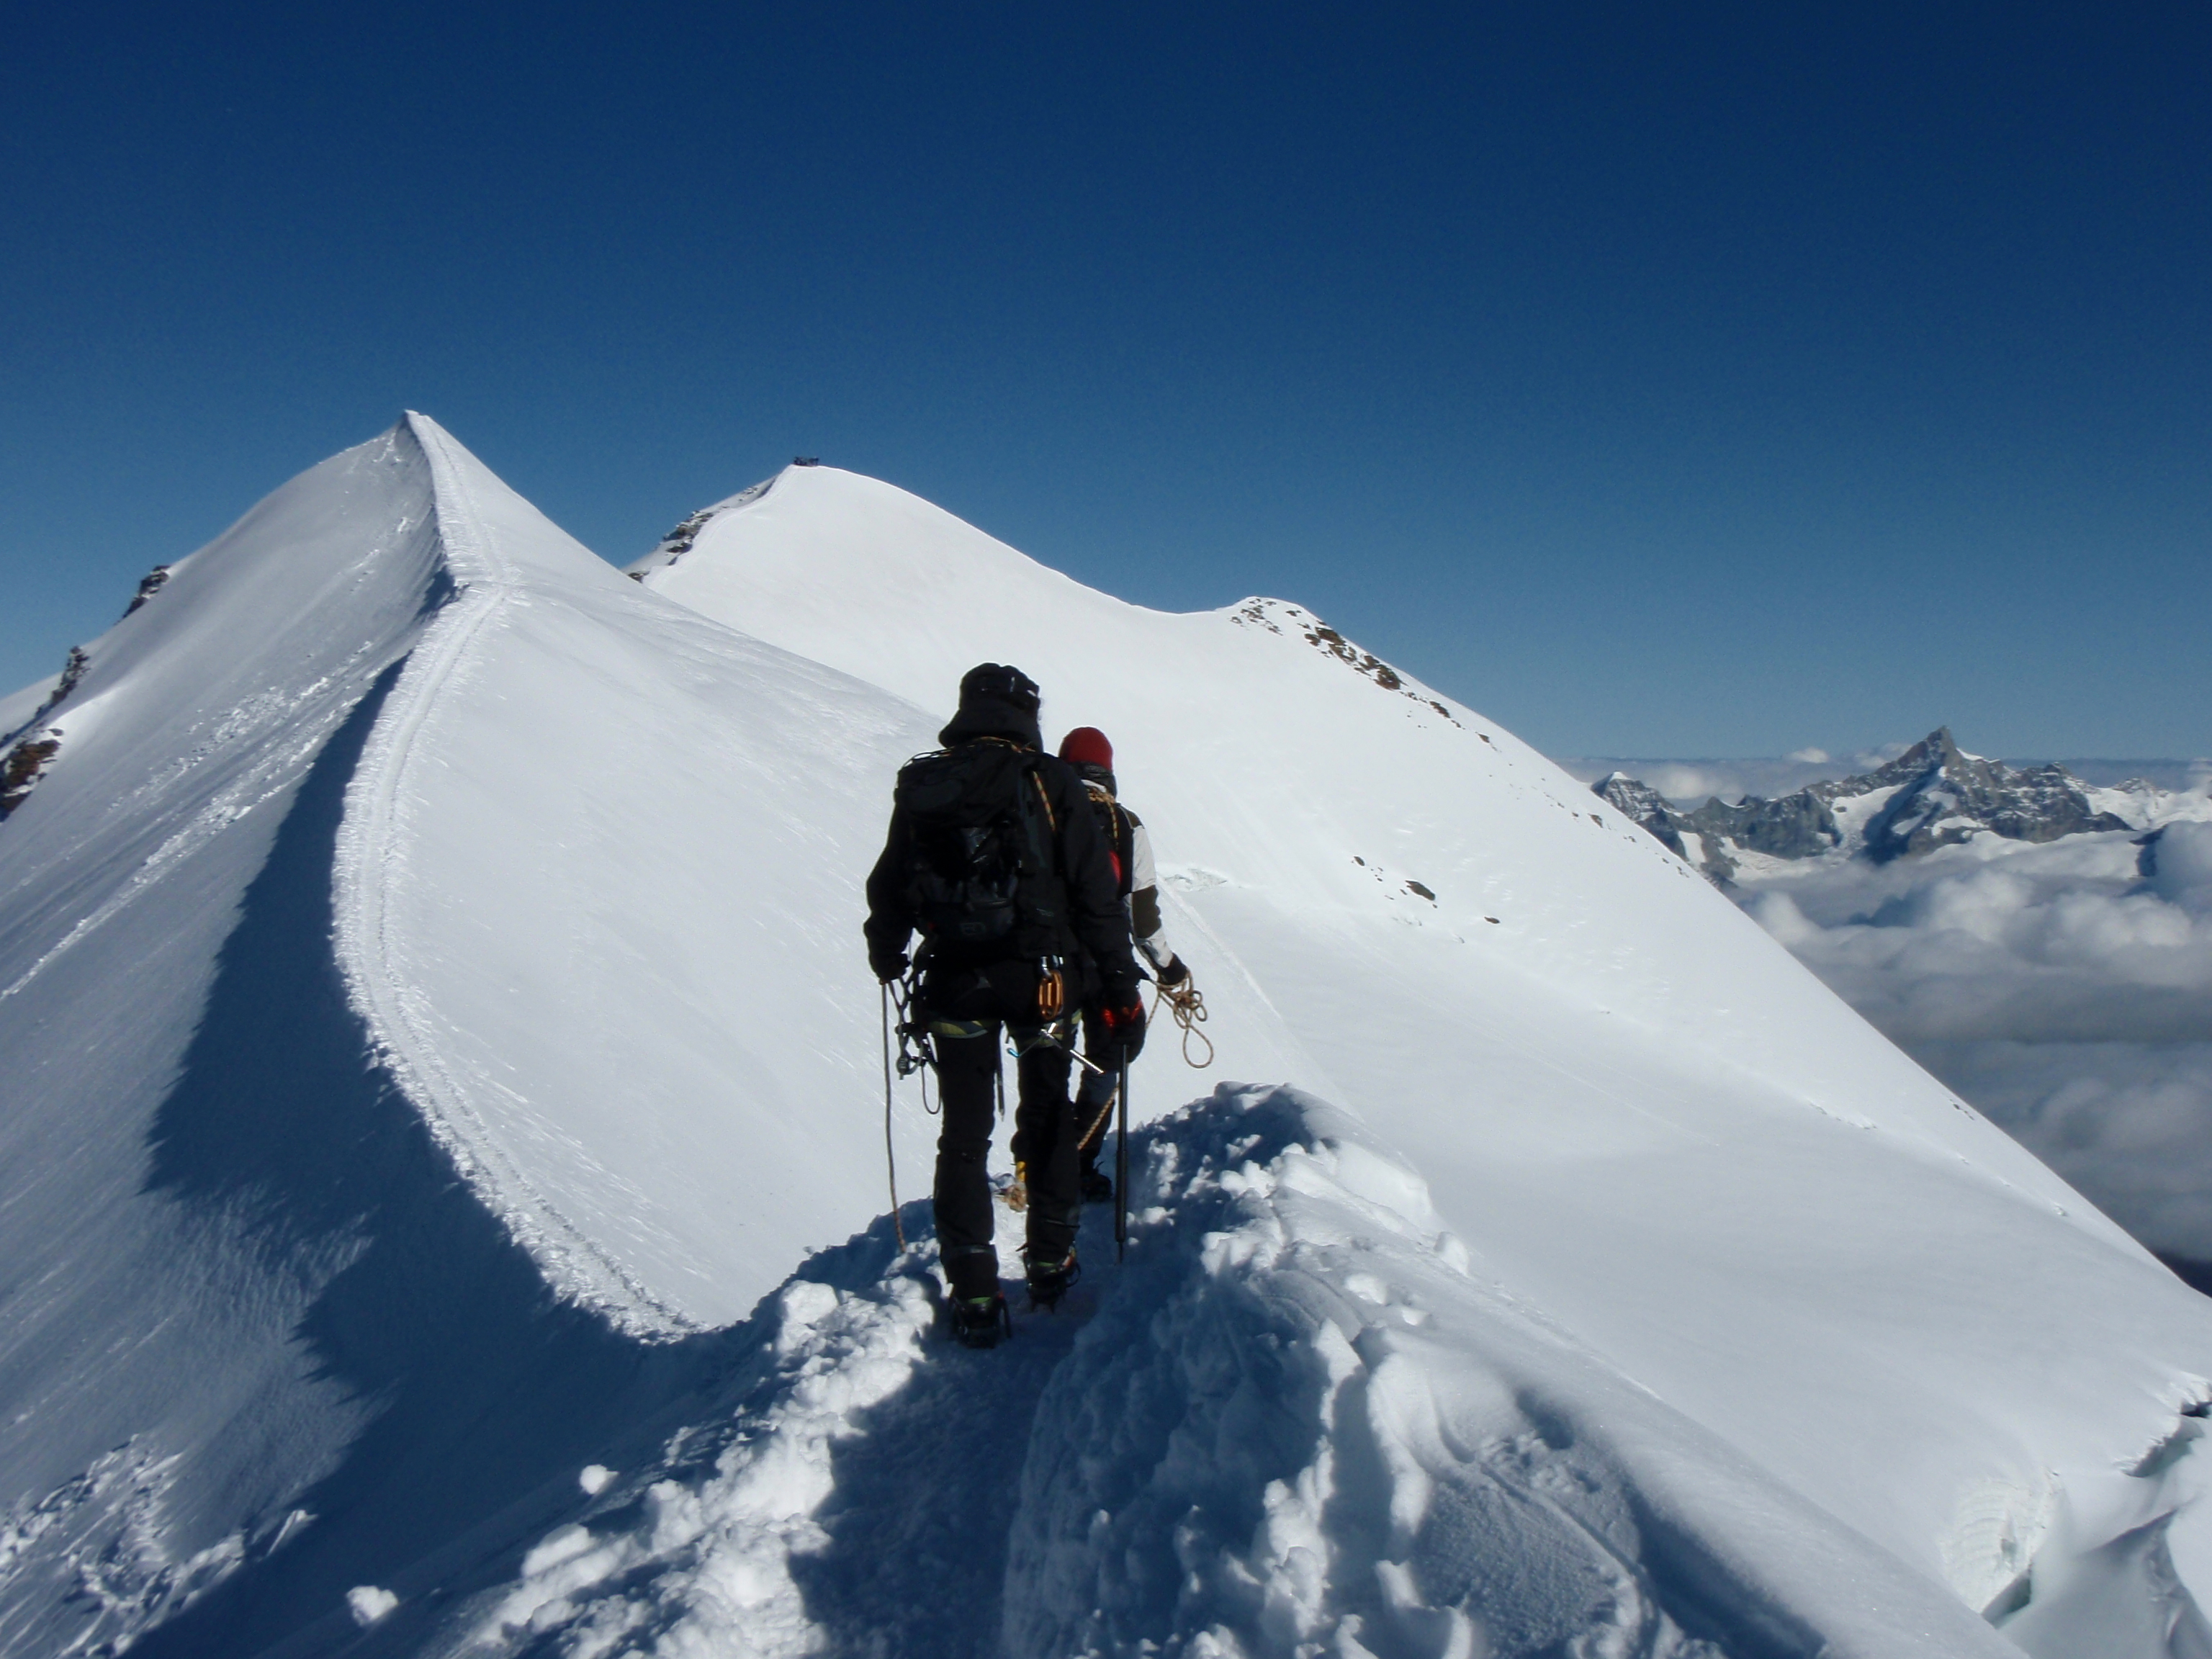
(32,746)
(149,584)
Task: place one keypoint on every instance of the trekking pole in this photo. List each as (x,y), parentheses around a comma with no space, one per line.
(891,1153)
(1121,1168)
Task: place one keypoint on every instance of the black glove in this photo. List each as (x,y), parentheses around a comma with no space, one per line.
(888,965)
(1124,1030)
(1175,972)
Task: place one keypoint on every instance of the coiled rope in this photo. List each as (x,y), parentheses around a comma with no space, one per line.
(1188,1007)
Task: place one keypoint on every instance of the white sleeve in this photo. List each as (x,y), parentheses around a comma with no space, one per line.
(1143,878)
(1141,874)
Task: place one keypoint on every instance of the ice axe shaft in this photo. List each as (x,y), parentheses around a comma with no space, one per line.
(890,1149)
(1121,1166)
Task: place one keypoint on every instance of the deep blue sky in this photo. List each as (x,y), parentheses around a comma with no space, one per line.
(1660,380)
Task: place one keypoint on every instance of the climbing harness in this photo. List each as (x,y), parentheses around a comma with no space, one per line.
(1185,1006)
(1059,1034)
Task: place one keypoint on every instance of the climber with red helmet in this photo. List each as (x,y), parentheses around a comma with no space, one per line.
(1087,750)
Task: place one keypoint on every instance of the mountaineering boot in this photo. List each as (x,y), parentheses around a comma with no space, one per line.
(981,1321)
(1097,1185)
(1051,1275)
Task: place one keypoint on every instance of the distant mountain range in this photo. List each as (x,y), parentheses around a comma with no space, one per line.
(1935,794)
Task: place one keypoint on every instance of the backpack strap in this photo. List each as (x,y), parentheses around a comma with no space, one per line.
(1119,823)
(1040,826)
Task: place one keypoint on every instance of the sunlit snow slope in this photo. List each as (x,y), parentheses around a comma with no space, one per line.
(1646,1119)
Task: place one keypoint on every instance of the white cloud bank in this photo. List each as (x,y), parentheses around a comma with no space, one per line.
(2065,990)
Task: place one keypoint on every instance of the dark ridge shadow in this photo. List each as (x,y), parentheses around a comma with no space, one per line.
(485,1392)
(2197,1275)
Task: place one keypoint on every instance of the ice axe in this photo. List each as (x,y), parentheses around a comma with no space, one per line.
(1121,1164)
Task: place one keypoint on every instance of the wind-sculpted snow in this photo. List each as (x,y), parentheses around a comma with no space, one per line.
(1301,1421)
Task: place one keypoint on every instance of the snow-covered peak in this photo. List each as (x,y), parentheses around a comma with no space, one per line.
(1285,768)
(819,538)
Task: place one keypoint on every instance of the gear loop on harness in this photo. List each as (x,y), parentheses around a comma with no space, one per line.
(916,1052)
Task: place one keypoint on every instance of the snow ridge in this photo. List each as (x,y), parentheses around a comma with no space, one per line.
(371,853)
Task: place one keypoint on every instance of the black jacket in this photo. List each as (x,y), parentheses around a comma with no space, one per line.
(1095,912)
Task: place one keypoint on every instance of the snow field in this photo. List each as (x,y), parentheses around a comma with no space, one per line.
(598,888)
(699,1560)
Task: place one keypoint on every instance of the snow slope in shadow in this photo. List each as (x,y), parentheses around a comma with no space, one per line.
(252,1323)
(160,1414)
(413,1304)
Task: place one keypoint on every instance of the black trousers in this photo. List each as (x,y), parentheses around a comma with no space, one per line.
(1044,1141)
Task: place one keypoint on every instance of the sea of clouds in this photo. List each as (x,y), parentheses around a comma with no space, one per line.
(1689,783)
(2065,989)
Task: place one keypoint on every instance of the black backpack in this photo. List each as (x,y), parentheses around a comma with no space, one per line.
(982,878)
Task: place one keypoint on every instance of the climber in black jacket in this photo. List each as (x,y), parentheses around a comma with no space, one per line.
(995,856)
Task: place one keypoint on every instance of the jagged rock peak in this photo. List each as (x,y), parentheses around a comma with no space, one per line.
(1935,794)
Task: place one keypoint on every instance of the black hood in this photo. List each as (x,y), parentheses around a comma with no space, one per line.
(997,700)
(993,717)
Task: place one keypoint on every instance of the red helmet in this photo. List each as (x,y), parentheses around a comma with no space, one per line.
(1086,745)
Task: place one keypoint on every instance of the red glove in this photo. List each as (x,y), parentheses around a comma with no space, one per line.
(1125,1031)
